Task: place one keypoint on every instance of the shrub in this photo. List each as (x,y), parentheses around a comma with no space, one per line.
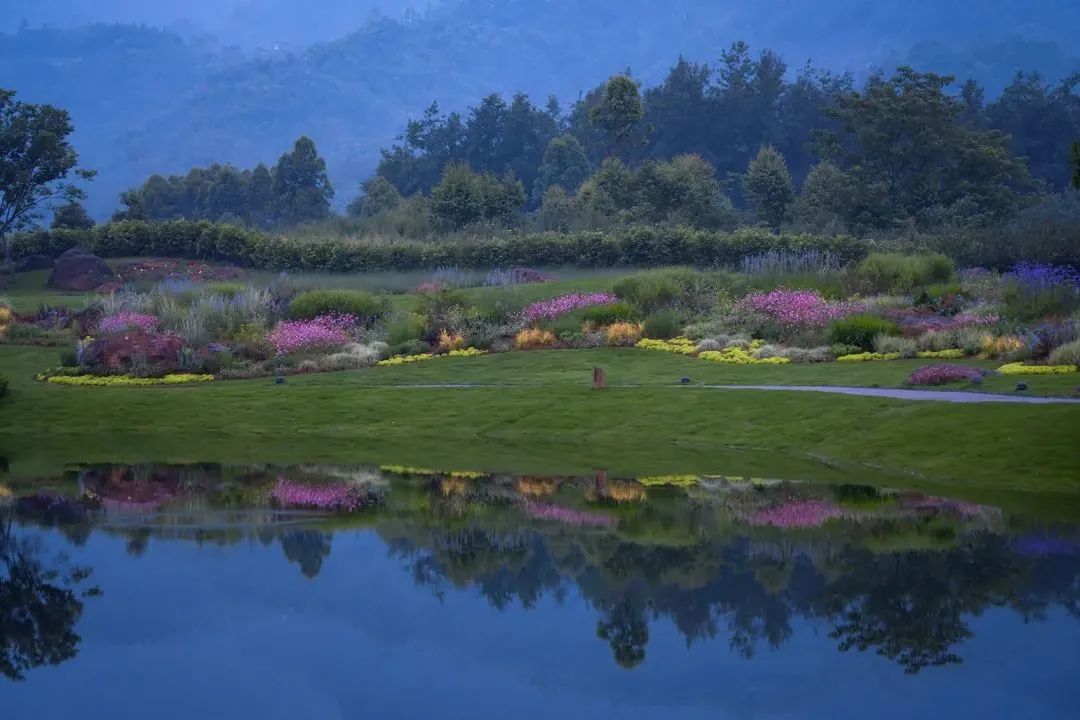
(840,350)
(789,310)
(534,338)
(604,315)
(946,298)
(1045,338)
(893,272)
(860,330)
(354,357)
(405,328)
(450,341)
(323,331)
(1023,369)
(943,374)
(1067,354)
(563,305)
(904,347)
(807,355)
(226,289)
(412,347)
(662,325)
(675,287)
(622,333)
(314,303)
(123,321)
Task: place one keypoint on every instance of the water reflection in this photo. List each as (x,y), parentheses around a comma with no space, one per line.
(899,574)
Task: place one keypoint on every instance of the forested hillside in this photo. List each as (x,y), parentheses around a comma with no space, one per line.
(223,88)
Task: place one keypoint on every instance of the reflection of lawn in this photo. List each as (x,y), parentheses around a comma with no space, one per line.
(553,424)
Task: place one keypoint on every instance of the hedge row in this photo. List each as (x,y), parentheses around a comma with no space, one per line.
(636,247)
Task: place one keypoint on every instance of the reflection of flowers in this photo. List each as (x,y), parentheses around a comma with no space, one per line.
(338,496)
(797,514)
(567,516)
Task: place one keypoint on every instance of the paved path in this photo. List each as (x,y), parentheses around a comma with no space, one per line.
(953,396)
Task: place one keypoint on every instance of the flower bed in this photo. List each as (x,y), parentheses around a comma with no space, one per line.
(324,331)
(944,374)
(338,497)
(422,357)
(126,380)
(795,309)
(679,345)
(868,356)
(563,305)
(123,321)
(1022,369)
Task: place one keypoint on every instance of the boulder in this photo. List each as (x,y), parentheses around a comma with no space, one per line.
(79,269)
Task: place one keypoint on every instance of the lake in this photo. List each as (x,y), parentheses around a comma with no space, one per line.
(179,591)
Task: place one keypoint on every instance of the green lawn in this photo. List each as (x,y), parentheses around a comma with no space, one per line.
(552,422)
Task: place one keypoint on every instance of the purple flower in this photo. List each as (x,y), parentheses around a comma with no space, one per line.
(323,331)
(564,304)
(797,514)
(942,374)
(568,516)
(795,309)
(123,321)
(339,497)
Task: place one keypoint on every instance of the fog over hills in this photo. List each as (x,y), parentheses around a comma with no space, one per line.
(160,87)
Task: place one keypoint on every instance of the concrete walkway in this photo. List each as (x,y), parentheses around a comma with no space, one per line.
(953,396)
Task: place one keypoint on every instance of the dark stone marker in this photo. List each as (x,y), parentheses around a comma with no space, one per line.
(1020,387)
(599,379)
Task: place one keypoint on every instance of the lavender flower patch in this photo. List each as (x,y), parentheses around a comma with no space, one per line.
(567,516)
(944,374)
(337,497)
(564,304)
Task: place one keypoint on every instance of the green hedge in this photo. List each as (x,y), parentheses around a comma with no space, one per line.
(636,247)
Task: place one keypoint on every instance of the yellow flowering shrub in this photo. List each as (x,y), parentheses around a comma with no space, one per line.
(740,356)
(866,356)
(953,354)
(449,341)
(407,470)
(677,480)
(679,345)
(536,486)
(467,352)
(1022,369)
(453,486)
(127,381)
(6,316)
(1003,345)
(623,333)
(622,491)
(406,359)
(534,338)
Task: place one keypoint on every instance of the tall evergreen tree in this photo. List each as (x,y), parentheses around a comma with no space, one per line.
(261,196)
(302,190)
(768,188)
(564,165)
(618,112)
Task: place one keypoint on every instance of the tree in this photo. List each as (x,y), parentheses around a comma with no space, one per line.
(377,196)
(458,199)
(1076,164)
(261,196)
(302,190)
(72,215)
(912,159)
(564,165)
(619,111)
(826,198)
(37,163)
(768,188)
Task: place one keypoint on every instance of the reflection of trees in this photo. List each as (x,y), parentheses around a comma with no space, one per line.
(909,605)
(38,608)
(306,548)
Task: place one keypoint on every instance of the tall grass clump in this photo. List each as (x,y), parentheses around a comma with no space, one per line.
(897,273)
(690,290)
(315,303)
(860,330)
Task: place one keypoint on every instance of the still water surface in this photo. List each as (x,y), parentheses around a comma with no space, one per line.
(346,592)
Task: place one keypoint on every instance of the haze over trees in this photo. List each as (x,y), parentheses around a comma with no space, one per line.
(235,82)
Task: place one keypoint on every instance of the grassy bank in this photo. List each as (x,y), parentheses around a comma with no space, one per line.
(550,421)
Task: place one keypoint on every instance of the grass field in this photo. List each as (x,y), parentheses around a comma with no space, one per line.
(548,420)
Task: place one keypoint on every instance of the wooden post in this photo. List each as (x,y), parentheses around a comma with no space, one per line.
(599,380)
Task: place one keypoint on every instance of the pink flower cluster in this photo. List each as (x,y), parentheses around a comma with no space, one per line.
(796,309)
(797,514)
(339,497)
(568,516)
(122,321)
(324,331)
(564,304)
(943,374)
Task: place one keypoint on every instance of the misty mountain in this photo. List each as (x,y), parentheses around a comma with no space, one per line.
(148,100)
